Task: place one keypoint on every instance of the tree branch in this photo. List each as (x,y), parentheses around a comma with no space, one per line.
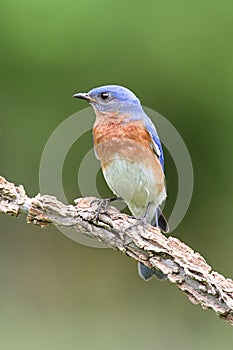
(187,269)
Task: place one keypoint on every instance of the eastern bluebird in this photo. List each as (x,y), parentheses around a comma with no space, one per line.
(131,156)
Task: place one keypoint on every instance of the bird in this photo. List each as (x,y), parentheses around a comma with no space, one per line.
(128,147)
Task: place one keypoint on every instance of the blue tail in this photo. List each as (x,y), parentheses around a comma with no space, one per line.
(145,272)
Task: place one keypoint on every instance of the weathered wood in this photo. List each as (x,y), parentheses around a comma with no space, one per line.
(187,269)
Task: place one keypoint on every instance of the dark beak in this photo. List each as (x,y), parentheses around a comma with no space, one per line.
(83,96)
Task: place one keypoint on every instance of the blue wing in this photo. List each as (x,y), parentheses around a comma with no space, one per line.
(155,139)
(156,144)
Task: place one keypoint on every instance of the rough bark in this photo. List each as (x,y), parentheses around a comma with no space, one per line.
(184,267)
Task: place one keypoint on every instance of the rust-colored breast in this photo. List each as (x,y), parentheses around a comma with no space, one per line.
(129,141)
(114,130)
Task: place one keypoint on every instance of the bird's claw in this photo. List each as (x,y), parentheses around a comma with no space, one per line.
(127,239)
(141,221)
(102,205)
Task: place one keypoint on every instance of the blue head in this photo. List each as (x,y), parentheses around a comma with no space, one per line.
(111,98)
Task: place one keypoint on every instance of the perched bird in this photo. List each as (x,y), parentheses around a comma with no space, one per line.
(131,156)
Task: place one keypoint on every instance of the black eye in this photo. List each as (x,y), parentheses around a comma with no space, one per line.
(104,95)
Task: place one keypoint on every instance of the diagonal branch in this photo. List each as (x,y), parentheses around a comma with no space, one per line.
(187,269)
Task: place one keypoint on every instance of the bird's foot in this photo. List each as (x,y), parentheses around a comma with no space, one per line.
(102,205)
(127,239)
(142,221)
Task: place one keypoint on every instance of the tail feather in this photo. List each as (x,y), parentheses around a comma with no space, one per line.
(162,222)
(146,273)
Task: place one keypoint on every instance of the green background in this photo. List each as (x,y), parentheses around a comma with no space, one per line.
(177,56)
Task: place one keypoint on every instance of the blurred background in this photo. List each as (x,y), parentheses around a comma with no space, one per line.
(178,58)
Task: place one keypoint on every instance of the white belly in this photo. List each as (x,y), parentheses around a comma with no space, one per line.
(136,184)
